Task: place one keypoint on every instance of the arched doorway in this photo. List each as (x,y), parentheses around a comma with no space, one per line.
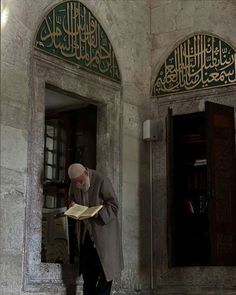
(98,92)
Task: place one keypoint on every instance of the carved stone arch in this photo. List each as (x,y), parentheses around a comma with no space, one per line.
(71,32)
(201,61)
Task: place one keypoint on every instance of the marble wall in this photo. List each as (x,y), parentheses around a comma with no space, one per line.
(143,33)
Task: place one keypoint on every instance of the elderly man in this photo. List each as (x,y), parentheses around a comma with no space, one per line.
(99,242)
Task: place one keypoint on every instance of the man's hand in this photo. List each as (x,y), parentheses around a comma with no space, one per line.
(72,203)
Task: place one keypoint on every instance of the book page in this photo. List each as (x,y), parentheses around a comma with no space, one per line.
(76,210)
(90,212)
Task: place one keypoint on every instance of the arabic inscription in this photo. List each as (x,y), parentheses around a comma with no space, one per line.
(71,32)
(202,61)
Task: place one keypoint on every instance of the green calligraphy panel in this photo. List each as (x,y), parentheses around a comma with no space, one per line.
(71,32)
(202,61)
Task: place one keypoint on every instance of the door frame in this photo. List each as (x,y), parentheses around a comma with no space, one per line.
(103,93)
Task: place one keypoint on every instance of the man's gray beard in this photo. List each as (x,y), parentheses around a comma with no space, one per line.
(86,185)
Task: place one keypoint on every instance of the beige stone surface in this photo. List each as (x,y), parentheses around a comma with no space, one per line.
(13,148)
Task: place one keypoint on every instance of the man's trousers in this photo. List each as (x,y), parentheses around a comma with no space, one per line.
(95,282)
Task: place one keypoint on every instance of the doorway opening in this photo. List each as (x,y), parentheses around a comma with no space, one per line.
(202,201)
(69,137)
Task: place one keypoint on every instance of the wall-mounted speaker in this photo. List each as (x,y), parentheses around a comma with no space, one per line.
(152,130)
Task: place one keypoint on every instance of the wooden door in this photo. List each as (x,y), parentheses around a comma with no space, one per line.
(220,128)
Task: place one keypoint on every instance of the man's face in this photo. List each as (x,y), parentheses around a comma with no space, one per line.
(82,182)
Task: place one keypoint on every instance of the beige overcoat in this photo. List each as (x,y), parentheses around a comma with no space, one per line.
(105,226)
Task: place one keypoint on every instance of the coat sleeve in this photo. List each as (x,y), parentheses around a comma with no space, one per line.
(110,202)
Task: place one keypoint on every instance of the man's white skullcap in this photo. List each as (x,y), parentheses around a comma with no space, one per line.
(75,170)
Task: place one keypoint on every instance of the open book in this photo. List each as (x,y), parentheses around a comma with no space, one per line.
(82,212)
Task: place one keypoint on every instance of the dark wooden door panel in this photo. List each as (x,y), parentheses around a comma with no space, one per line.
(222,179)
